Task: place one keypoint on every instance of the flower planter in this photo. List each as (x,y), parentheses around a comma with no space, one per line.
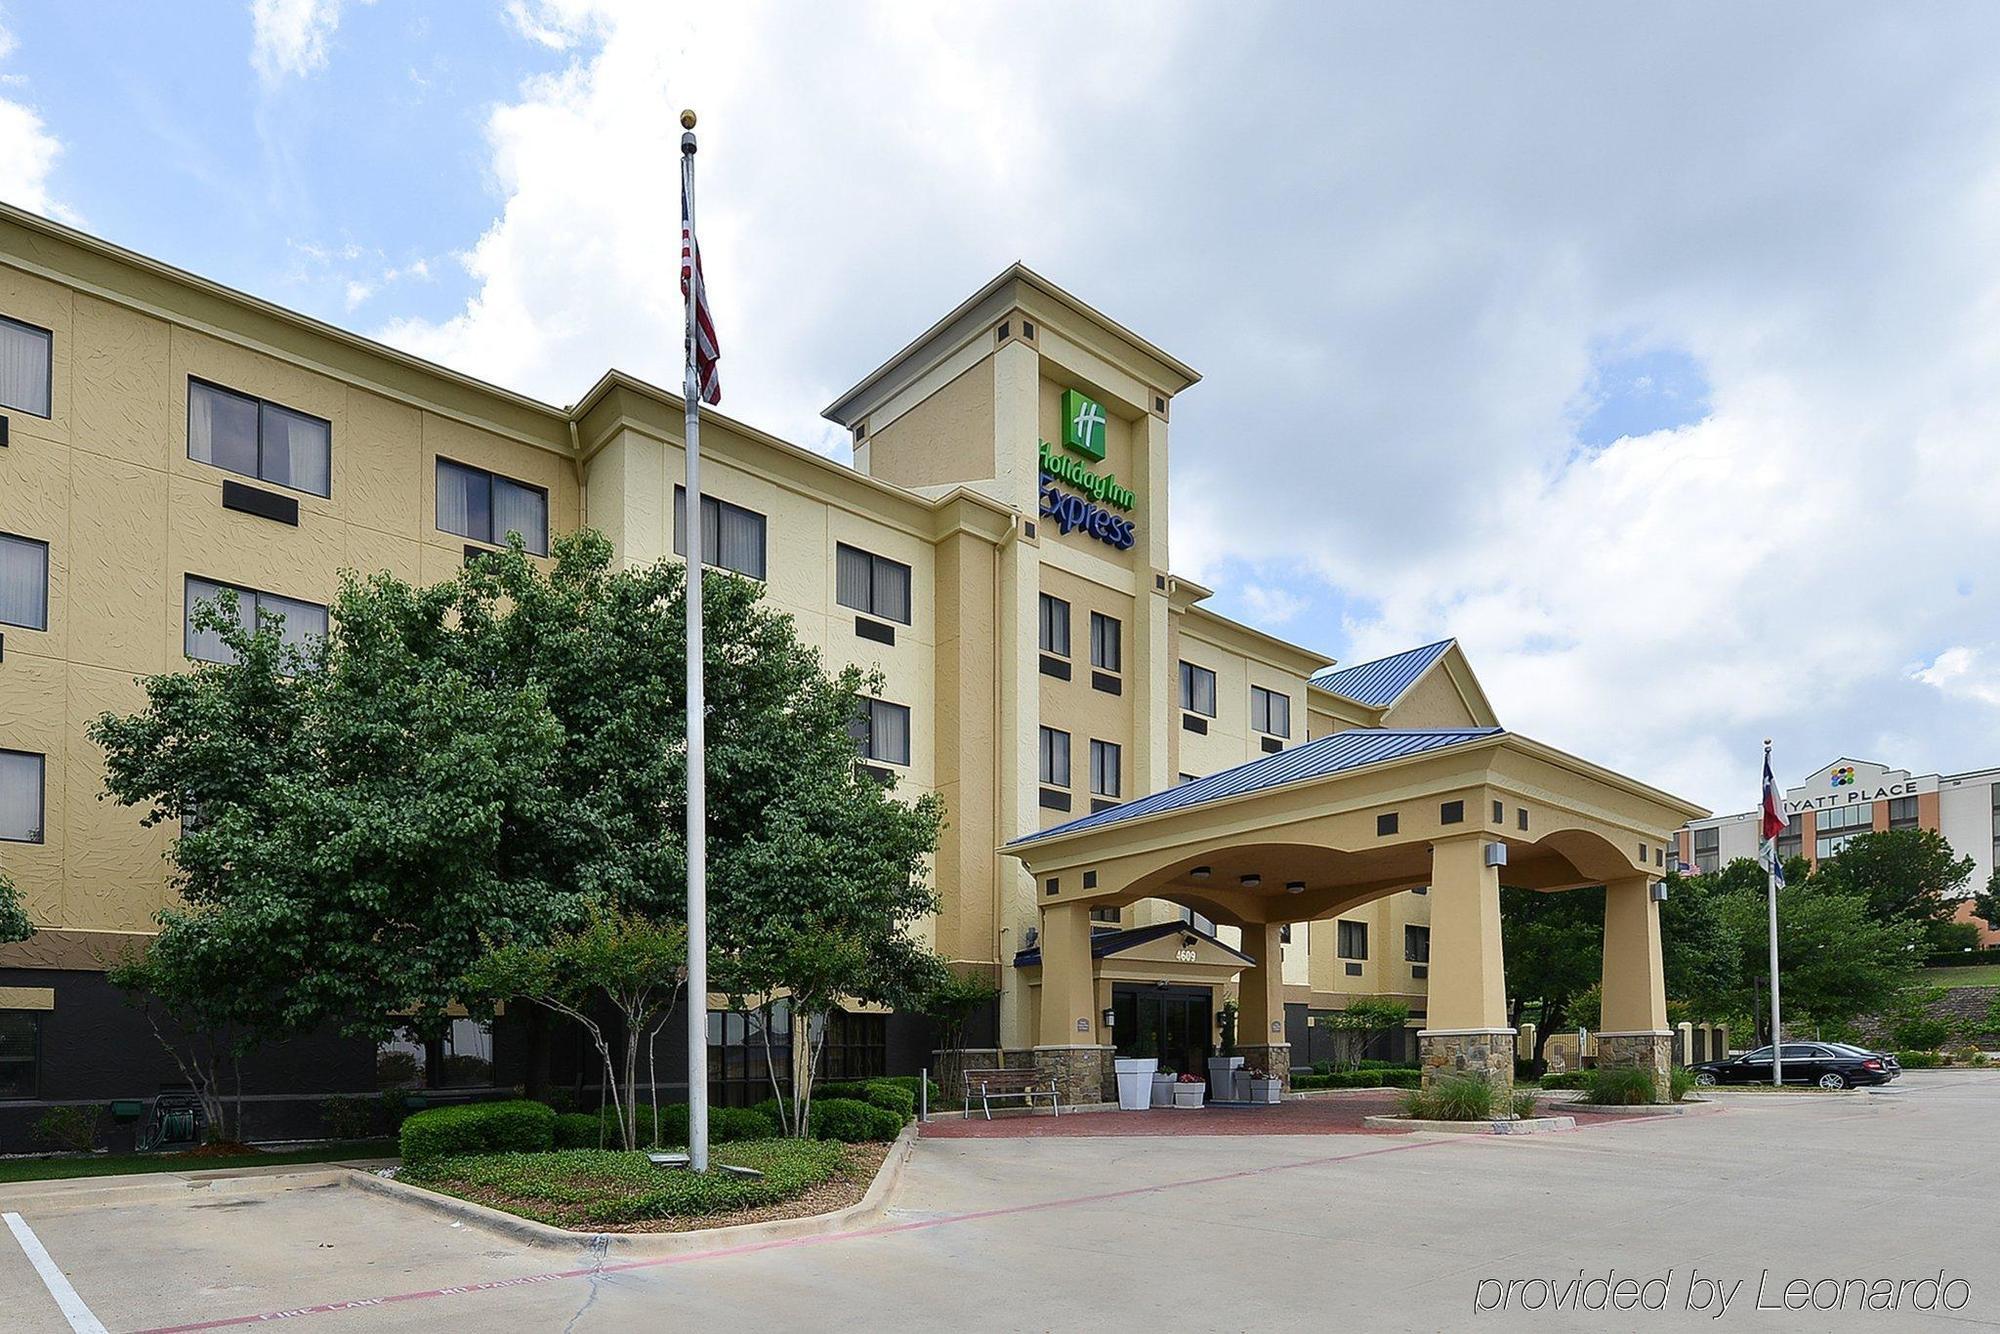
(1189,1095)
(1265,1090)
(1163,1090)
(1224,1075)
(1135,1082)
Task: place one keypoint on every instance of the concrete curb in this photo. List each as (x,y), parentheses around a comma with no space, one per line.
(1640,1109)
(1304,1094)
(1534,1125)
(887,1178)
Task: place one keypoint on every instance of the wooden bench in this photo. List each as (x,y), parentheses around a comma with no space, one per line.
(1025,1085)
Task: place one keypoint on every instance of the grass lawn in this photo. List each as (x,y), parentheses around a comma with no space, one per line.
(1972,975)
(118,1164)
(611,1190)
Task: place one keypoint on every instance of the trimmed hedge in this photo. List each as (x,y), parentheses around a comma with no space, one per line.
(1367,1063)
(898,1096)
(579,1130)
(1394,1077)
(1568,1079)
(726,1125)
(852,1122)
(478,1127)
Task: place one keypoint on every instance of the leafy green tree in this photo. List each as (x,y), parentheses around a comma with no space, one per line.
(1554,954)
(1365,1018)
(1700,954)
(1986,903)
(14,923)
(950,999)
(1902,875)
(624,961)
(352,817)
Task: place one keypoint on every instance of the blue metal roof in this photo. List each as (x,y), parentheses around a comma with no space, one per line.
(1352,749)
(1378,684)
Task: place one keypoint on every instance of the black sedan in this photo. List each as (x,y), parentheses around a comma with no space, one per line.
(1831,1065)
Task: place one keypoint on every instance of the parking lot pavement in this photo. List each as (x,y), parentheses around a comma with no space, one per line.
(1229,1232)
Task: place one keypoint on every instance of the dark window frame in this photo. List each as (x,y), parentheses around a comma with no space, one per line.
(48,369)
(864,731)
(873,605)
(1107,645)
(707,528)
(527,539)
(1264,695)
(33,1061)
(262,404)
(1051,621)
(1100,753)
(1416,943)
(1349,937)
(41,828)
(242,592)
(1191,675)
(32,542)
(1046,757)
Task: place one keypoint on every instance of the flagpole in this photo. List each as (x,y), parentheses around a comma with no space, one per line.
(697,741)
(1771,887)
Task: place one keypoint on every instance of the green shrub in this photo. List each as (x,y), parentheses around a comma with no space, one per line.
(350,1118)
(1524,1103)
(1619,1086)
(73,1129)
(1920,1060)
(1680,1083)
(580,1130)
(853,1122)
(1457,1098)
(1403,1077)
(589,1188)
(1568,1079)
(896,1095)
(478,1127)
(1923,1033)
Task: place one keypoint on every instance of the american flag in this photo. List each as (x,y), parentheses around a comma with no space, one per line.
(694,288)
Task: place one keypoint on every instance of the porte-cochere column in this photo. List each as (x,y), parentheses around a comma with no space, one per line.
(1465,1028)
(1260,1001)
(1634,1020)
(1067,1049)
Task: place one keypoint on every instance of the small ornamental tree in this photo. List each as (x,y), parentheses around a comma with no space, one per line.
(622,960)
(950,999)
(1364,1019)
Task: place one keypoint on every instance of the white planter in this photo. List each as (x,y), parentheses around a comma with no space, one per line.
(1265,1091)
(1163,1090)
(1135,1082)
(1189,1095)
(1225,1074)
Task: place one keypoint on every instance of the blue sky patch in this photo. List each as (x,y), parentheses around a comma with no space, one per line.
(1636,392)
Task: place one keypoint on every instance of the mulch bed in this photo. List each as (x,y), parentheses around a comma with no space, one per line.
(837,1192)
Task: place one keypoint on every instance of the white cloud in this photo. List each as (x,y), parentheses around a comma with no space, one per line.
(28,151)
(1392,244)
(289,37)
(1963,673)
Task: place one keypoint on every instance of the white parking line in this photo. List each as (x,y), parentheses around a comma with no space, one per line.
(79,1316)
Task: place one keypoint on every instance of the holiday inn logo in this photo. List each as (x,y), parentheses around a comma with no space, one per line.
(1083,424)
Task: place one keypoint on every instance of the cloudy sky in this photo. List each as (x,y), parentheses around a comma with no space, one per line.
(1654,352)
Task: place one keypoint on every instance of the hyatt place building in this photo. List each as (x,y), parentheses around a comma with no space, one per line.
(998,549)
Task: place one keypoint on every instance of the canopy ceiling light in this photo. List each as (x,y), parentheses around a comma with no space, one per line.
(1199,873)
(1295,886)
(1252,880)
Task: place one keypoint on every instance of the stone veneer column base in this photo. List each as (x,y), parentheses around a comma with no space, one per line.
(1275,1058)
(1648,1050)
(1484,1053)
(1080,1074)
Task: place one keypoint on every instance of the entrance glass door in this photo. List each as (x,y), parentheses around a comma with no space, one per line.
(1175,1025)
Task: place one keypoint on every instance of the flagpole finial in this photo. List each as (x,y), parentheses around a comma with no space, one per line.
(687,120)
(1767,743)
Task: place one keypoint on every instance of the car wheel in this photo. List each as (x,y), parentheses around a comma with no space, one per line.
(1833,1080)
(1705,1079)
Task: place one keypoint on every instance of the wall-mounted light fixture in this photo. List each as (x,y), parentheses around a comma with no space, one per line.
(1659,891)
(1109,1019)
(1251,881)
(1295,886)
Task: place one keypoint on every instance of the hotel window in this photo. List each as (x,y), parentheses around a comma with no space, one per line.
(1840,825)
(1416,944)
(856,1046)
(1055,757)
(1055,626)
(1351,941)
(485,507)
(1270,711)
(20,1054)
(1792,842)
(304,621)
(732,538)
(882,732)
(1197,689)
(260,439)
(21,774)
(24,582)
(742,1057)
(1902,812)
(871,583)
(1106,917)
(1106,652)
(1105,760)
(1707,850)
(24,367)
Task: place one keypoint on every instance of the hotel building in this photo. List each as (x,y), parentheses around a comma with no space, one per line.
(998,549)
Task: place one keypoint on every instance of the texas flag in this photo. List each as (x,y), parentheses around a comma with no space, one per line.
(1775,822)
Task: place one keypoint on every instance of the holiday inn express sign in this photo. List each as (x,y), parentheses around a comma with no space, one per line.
(1083,427)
